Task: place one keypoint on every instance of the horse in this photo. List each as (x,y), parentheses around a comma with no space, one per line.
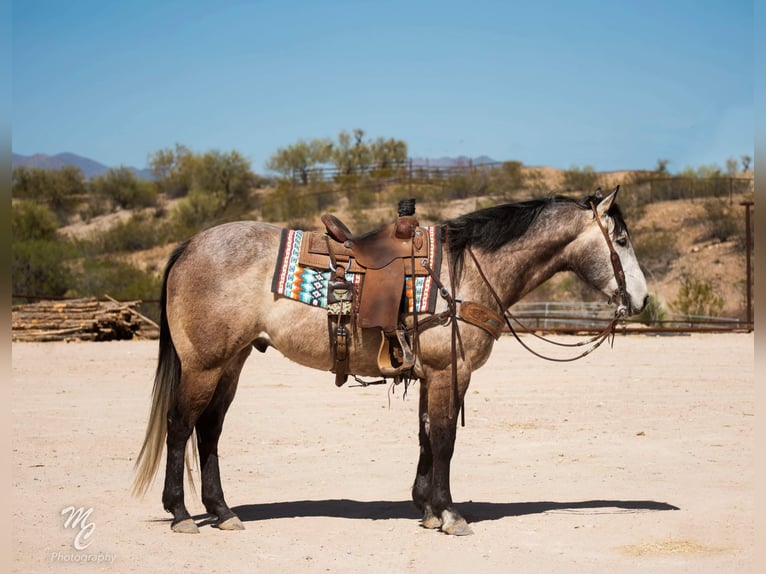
(217,306)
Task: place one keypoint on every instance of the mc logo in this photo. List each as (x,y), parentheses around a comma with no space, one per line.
(78,518)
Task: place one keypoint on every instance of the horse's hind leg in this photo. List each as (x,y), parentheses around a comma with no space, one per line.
(209,428)
(193,394)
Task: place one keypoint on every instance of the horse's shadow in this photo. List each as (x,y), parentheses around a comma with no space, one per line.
(472,511)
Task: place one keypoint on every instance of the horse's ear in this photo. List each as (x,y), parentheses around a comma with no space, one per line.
(604,205)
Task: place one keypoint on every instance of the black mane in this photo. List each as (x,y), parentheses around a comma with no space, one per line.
(493,227)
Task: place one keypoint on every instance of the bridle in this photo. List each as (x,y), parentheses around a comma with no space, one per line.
(593,342)
(619,275)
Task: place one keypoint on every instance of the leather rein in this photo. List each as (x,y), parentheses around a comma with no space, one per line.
(593,342)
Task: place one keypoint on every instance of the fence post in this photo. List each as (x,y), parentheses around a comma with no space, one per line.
(409,175)
(748,242)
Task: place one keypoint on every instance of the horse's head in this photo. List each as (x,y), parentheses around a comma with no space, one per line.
(611,264)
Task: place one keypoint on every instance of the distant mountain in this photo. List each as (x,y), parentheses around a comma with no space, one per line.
(89,167)
(445,162)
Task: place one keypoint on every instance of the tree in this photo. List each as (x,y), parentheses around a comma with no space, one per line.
(173,170)
(731,167)
(300,158)
(225,175)
(351,157)
(121,186)
(746,159)
(388,153)
(662,167)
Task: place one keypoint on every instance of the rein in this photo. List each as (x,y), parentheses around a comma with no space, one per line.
(596,341)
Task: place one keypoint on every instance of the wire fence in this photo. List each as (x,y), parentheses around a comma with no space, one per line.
(578,317)
(590,317)
(511,180)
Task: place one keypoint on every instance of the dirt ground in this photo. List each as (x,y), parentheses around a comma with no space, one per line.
(638,458)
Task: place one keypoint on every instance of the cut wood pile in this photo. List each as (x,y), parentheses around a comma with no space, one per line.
(80,320)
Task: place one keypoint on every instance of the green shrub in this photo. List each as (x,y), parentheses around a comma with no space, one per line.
(467,184)
(60,189)
(119,279)
(582,180)
(93,206)
(122,187)
(31,221)
(136,233)
(653,313)
(697,297)
(38,267)
(290,203)
(722,221)
(655,249)
(196,211)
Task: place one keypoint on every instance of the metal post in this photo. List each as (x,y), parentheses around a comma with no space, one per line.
(748,246)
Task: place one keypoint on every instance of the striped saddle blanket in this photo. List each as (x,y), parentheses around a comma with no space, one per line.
(304,279)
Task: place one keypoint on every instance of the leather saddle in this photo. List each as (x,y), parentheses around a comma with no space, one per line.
(383,257)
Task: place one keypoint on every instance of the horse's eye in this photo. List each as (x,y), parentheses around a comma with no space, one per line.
(622,241)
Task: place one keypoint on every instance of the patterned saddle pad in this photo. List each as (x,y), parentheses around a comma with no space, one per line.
(309,284)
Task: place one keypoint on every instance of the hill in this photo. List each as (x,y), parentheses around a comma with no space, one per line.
(89,167)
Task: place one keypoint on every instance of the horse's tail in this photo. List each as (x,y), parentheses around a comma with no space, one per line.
(166,380)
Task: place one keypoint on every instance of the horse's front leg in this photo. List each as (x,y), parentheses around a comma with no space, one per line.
(423,487)
(438,428)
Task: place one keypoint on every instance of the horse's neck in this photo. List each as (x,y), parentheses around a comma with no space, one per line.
(517,268)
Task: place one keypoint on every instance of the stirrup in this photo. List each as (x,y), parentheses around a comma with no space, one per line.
(396,360)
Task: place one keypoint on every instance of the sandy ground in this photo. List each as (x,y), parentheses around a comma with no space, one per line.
(636,459)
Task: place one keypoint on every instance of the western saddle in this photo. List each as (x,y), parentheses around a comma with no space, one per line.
(383,258)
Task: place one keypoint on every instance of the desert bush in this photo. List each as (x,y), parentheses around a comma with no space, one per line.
(93,206)
(38,267)
(466,184)
(138,232)
(655,249)
(32,221)
(697,298)
(654,313)
(535,182)
(195,212)
(362,197)
(60,189)
(722,221)
(291,203)
(122,187)
(582,180)
(110,276)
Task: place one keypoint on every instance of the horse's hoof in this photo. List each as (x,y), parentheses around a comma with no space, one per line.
(232,523)
(459,528)
(430,520)
(454,524)
(187,526)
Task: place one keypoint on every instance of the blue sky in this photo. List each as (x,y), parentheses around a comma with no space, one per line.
(611,84)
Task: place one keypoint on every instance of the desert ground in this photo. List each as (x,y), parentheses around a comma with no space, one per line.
(638,458)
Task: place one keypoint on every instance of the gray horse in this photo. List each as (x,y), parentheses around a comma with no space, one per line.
(217,306)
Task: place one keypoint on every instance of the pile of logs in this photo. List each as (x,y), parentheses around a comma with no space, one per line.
(80,320)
